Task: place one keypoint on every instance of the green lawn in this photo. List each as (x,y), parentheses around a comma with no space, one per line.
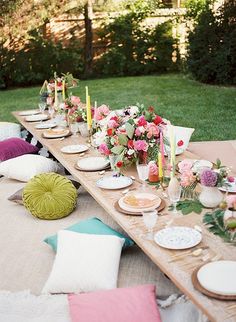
(211,110)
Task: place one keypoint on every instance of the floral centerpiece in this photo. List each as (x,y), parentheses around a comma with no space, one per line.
(55,91)
(132,133)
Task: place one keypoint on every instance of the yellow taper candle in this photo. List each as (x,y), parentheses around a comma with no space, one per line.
(63,90)
(160,168)
(89,114)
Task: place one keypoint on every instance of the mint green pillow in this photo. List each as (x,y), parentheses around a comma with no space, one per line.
(49,196)
(90,226)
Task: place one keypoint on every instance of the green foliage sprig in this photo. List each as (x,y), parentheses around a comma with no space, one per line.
(215,223)
(187,206)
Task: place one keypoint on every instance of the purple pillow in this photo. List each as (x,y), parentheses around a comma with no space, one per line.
(14,147)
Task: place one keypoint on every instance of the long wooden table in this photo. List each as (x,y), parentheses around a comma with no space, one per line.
(178,271)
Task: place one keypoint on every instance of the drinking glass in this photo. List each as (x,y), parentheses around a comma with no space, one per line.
(74,128)
(149,219)
(51,111)
(143,171)
(174,192)
(42,105)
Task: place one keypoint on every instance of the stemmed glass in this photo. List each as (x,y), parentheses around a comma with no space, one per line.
(113,158)
(174,192)
(143,170)
(42,105)
(150,219)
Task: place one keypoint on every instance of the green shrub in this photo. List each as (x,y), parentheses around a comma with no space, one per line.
(135,49)
(38,60)
(212,45)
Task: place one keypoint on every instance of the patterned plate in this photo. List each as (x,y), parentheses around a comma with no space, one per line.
(178,237)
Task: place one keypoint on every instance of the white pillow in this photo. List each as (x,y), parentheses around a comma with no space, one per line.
(25,167)
(9,130)
(84,263)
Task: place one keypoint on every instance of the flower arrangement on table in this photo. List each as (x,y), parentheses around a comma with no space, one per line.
(55,91)
(132,133)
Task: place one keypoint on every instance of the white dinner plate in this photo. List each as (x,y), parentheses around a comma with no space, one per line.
(76,148)
(46,125)
(178,237)
(113,183)
(137,209)
(37,117)
(29,112)
(93,163)
(199,165)
(218,277)
(231,186)
(55,133)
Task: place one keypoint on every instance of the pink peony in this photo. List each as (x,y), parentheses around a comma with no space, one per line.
(103,148)
(142,121)
(187,178)
(185,165)
(152,130)
(140,145)
(101,112)
(75,100)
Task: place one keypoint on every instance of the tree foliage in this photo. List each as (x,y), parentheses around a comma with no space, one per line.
(212,44)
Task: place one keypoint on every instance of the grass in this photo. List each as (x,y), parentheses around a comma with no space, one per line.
(211,110)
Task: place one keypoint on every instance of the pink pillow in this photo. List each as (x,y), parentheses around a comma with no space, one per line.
(133,304)
(14,147)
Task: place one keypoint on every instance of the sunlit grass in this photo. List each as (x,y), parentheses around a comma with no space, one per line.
(211,110)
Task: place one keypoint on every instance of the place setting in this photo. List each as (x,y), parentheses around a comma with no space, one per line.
(56,133)
(92,164)
(29,112)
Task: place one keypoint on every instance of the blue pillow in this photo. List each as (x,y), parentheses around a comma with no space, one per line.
(90,226)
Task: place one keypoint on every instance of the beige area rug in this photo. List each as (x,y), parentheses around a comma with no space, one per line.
(26,261)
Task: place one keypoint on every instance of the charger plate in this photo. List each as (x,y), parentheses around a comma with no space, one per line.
(125,212)
(206,292)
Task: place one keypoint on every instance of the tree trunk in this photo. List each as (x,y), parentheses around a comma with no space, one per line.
(88,48)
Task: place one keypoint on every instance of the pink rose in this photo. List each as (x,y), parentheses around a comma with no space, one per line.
(142,121)
(103,148)
(187,178)
(140,145)
(75,100)
(185,165)
(152,130)
(101,112)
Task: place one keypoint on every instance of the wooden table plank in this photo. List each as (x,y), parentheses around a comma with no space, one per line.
(178,271)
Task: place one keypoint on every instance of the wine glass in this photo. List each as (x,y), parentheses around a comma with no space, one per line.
(113,158)
(51,111)
(143,170)
(149,219)
(74,128)
(42,105)
(174,192)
